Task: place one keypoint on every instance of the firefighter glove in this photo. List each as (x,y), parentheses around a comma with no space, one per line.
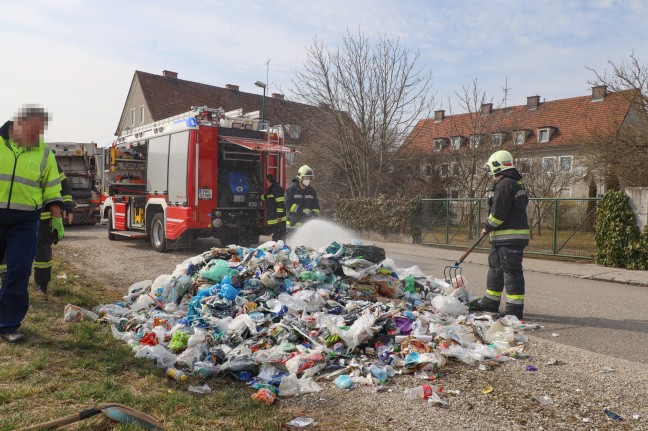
(57,229)
(306,212)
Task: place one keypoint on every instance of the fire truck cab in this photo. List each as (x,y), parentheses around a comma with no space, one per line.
(201,173)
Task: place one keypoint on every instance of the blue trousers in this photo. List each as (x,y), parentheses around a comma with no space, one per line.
(18,247)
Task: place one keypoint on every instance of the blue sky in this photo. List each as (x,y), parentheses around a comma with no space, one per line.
(77,58)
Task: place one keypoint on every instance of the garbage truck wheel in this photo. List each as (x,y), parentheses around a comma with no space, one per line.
(158,240)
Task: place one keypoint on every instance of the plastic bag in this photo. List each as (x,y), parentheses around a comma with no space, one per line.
(73,313)
(300,363)
(179,340)
(158,353)
(448,305)
(217,271)
(291,385)
(192,355)
(499,332)
(371,253)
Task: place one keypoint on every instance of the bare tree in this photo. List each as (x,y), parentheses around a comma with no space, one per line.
(624,154)
(472,141)
(375,94)
(546,180)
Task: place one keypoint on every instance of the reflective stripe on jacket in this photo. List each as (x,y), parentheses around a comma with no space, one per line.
(29,178)
(507,219)
(275,210)
(297,200)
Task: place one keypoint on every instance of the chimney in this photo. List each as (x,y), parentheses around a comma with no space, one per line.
(169,74)
(486,109)
(278,96)
(439,115)
(533,102)
(598,93)
(232,87)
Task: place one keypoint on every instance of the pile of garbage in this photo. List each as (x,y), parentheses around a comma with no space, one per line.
(282,318)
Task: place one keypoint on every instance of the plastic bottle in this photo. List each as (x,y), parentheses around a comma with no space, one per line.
(176,374)
(421,392)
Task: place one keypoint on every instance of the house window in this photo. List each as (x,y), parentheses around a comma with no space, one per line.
(141,114)
(290,158)
(294,130)
(132,117)
(565,192)
(444,169)
(566,164)
(498,138)
(524,166)
(475,140)
(456,142)
(548,165)
(543,135)
(438,144)
(426,169)
(454,193)
(454,168)
(519,137)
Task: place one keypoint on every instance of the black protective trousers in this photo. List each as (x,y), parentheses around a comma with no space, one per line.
(43,260)
(505,272)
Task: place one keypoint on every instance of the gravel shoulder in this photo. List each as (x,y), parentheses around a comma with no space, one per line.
(582,385)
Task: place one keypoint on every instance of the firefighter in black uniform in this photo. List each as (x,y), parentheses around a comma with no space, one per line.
(43,259)
(508,226)
(301,198)
(275,208)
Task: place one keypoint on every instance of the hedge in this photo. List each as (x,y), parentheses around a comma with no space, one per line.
(619,243)
(382,215)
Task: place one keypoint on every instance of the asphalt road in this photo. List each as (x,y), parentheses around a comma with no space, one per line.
(603,317)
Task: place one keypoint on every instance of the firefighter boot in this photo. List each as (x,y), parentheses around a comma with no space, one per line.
(486,304)
(516,310)
(41,288)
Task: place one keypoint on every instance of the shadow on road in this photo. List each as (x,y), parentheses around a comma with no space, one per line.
(632,325)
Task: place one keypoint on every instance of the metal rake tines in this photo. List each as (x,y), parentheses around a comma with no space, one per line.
(451,273)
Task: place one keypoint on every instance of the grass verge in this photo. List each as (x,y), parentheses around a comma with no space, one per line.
(64,368)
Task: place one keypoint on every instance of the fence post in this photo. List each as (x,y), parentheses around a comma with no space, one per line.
(447,222)
(555,227)
(479,223)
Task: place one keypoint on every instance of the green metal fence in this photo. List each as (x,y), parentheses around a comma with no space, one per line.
(559,226)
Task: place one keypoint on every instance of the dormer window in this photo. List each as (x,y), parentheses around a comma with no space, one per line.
(455,141)
(519,137)
(439,144)
(544,134)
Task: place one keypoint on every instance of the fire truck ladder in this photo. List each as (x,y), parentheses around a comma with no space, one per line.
(200,113)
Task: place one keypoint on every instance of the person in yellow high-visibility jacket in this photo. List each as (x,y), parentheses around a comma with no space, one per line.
(29,182)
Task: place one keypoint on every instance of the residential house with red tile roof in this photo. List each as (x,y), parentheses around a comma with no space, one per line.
(545,137)
(154,97)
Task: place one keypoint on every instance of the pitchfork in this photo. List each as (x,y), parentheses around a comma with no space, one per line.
(451,273)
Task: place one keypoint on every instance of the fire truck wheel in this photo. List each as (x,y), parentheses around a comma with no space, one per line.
(111,236)
(158,241)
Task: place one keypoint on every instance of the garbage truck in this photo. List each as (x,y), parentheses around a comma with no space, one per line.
(79,163)
(197,174)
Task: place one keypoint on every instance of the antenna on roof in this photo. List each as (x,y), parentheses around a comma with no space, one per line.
(506,90)
(268,71)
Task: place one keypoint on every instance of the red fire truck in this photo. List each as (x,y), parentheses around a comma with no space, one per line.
(197,174)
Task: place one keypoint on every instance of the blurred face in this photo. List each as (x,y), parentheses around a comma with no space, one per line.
(28,132)
(306,180)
